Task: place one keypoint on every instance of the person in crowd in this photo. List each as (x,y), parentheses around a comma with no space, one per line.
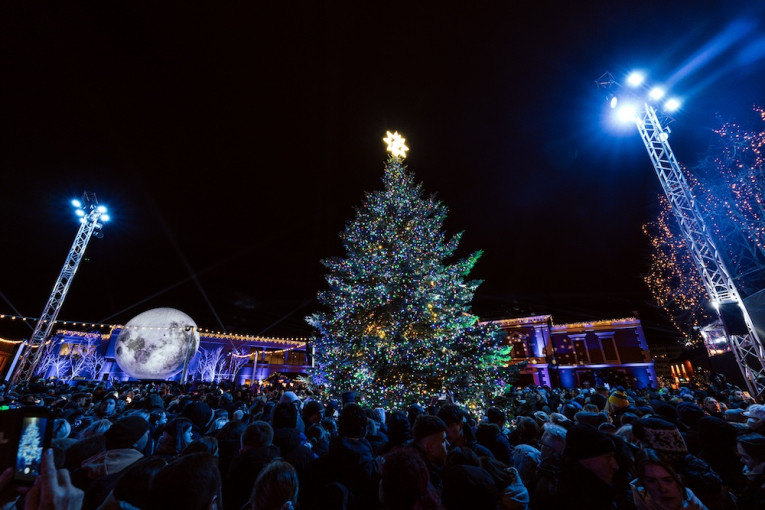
(458,430)
(319,439)
(755,415)
(526,432)
(132,490)
(205,444)
(349,462)
(62,429)
(589,476)
(718,448)
(376,434)
(125,440)
(659,487)
(696,474)
(399,431)
(176,435)
(429,440)
(751,449)
(467,486)
(190,482)
(312,412)
(107,407)
(200,414)
(405,483)
(256,452)
(294,447)
(275,488)
(229,442)
(489,435)
(514,495)
(712,407)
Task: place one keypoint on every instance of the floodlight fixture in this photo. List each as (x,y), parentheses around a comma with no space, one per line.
(656,93)
(79,212)
(76,203)
(614,101)
(101,209)
(672,104)
(627,113)
(105,218)
(635,79)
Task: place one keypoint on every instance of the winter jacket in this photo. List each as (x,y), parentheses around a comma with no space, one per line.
(244,469)
(350,462)
(294,447)
(490,436)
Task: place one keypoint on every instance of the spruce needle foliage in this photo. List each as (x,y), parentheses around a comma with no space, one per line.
(398,326)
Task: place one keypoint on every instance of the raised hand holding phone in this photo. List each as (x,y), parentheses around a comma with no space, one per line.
(53,489)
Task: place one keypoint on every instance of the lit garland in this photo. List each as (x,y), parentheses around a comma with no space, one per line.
(300,342)
(399,327)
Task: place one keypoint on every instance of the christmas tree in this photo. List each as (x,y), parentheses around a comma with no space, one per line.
(30,448)
(399,327)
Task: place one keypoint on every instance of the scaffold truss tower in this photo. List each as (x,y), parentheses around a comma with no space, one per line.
(748,348)
(29,353)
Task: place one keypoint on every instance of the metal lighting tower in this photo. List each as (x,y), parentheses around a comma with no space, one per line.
(92,217)
(748,349)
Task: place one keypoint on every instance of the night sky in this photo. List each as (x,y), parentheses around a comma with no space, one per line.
(231,142)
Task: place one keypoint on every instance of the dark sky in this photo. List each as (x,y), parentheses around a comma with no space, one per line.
(232,140)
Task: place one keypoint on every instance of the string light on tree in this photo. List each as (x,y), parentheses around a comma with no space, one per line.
(398,325)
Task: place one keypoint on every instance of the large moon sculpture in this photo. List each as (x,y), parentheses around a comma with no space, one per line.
(153,345)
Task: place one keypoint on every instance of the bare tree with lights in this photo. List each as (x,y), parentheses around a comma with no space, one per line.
(729,184)
(399,326)
(673,280)
(209,363)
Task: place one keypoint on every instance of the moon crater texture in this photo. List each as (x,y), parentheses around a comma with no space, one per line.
(153,344)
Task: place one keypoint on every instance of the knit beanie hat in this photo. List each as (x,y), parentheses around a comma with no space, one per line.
(125,432)
(541,417)
(584,441)
(689,413)
(594,419)
(154,401)
(661,435)
(665,410)
(618,399)
(199,413)
(288,396)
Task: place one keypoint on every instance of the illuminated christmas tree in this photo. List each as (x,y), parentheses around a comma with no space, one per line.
(399,326)
(30,447)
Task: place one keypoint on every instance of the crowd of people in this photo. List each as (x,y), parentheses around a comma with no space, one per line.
(159,445)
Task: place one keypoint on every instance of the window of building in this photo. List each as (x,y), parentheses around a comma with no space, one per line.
(274,357)
(609,349)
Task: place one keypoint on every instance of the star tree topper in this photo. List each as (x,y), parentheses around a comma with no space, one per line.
(396,145)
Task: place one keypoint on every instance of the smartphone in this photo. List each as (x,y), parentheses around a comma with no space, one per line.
(25,432)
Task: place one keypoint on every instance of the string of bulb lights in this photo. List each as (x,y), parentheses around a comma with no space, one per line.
(206,332)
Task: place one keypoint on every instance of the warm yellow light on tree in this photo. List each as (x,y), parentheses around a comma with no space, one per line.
(396,145)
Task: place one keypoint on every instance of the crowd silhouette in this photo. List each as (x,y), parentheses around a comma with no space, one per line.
(159,445)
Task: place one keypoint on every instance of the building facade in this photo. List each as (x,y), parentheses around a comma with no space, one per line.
(567,355)
(611,352)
